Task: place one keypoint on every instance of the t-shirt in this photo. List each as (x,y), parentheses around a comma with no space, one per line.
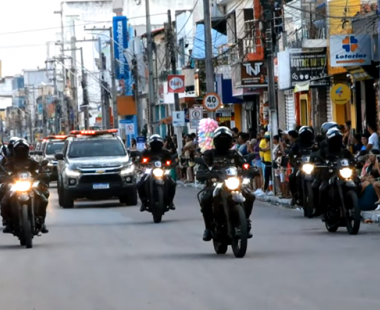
(262,145)
(374,140)
(243,149)
(367,199)
(267,155)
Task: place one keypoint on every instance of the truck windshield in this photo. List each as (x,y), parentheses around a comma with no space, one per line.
(96,148)
(54,147)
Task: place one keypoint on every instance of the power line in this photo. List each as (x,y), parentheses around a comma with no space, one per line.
(90,23)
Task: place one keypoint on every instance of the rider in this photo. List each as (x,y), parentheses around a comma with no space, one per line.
(219,157)
(157,152)
(331,149)
(17,163)
(9,152)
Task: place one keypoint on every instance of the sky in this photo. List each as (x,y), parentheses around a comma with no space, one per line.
(26,49)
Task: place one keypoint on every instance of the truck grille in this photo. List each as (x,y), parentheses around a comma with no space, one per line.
(105,178)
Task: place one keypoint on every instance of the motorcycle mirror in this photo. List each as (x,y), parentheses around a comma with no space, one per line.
(44,163)
(58,156)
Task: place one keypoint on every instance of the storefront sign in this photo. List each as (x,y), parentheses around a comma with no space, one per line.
(306,66)
(176,83)
(253,73)
(350,50)
(340,94)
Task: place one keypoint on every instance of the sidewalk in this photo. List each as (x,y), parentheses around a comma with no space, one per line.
(367,216)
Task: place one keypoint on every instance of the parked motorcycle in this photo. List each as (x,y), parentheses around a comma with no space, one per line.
(342,209)
(156,174)
(24,190)
(230,223)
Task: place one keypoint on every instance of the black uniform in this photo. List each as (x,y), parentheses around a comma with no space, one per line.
(162,155)
(219,160)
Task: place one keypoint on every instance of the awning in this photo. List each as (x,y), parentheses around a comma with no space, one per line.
(300,87)
(166,120)
(359,74)
(218,39)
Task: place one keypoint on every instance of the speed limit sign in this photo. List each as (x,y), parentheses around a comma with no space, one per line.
(211,102)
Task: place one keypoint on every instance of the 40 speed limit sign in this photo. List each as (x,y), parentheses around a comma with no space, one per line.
(211,102)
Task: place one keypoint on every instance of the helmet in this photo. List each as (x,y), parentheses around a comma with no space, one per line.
(334,139)
(326,126)
(11,144)
(21,149)
(222,139)
(306,135)
(156,143)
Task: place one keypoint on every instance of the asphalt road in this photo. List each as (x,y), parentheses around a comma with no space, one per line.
(105,257)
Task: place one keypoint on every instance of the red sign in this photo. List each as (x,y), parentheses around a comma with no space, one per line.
(176,83)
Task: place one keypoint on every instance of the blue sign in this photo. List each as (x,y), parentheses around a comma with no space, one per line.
(140,143)
(120,37)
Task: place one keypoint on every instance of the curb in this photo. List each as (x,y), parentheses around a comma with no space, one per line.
(373,216)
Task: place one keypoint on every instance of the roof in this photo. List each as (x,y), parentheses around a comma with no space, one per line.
(154,32)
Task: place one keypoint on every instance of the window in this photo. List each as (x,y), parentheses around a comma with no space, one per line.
(96,148)
(54,147)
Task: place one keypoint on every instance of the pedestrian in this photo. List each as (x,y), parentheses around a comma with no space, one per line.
(373,140)
(265,148)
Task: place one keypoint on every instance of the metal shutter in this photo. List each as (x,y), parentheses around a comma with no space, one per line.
(290,111)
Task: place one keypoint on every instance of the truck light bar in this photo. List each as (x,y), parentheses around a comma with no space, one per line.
(93,132)
(56,137)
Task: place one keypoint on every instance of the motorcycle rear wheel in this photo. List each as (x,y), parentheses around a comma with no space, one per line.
(26,228)
(239,243)
(352,220)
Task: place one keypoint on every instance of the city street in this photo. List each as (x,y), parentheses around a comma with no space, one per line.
(106,257)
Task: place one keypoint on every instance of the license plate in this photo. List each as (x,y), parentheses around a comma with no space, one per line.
(100,186)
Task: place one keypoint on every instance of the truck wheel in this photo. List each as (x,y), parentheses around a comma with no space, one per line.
(67,199)
(131,198)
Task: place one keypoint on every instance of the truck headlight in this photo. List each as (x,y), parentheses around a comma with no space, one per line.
(72,173)
(158,172)
(307,168)
(127,170)
(346,173)
(232,183)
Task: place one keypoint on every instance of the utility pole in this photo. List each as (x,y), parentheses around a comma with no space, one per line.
(151,89)
(86,103)
(105,105)
(113,81)
(73,76)
(209,53)
(173,61)
(270,43)
(135,72)
(105,115)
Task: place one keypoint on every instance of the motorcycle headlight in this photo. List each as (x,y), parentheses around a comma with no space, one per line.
(158,172)
(128,170)
(346,173)
(307,168)
(21,186)
(232,183)
(72,173)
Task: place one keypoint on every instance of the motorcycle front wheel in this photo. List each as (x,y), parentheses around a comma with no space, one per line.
(220,247)
(239,240)
(26,237)
(158,206)
(354,216)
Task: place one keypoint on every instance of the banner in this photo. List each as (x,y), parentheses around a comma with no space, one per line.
(176,83)
(120,38)
(305,66)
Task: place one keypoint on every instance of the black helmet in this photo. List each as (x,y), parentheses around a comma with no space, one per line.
(326,126)
(222,139)
(156,143)
(334,139)
(21,149)
(11,144)
(306,135)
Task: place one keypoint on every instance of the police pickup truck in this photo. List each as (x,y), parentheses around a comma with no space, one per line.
(95,164)
(47,150)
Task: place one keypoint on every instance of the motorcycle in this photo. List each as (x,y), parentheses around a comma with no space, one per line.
(309,194)
(230,223)
(342,209)
(155,175)
(24,189)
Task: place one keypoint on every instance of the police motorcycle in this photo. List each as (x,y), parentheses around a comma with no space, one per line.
(342,209)
(24,190)
(230,223)
(156,173)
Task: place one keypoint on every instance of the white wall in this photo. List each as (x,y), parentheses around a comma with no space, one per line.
(6,86)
